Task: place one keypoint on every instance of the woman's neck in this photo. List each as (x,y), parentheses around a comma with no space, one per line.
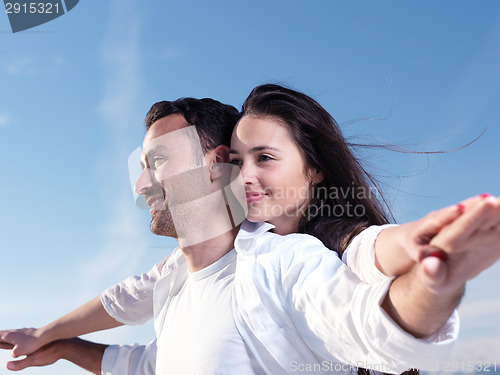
(285,226)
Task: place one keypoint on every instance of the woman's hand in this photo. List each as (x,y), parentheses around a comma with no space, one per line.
(397,249)
(471,244)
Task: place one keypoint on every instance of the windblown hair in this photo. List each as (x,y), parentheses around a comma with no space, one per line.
(346,183)
(324,148)
(214,121)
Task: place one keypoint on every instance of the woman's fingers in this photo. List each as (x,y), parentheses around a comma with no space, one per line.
(471,202)
(483,215)
(436,220)
(495,220)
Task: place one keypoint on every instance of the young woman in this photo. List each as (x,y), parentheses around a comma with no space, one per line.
(301,176)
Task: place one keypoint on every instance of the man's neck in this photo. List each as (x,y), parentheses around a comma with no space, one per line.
(205,253)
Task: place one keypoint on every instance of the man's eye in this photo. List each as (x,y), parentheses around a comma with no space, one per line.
(159,160)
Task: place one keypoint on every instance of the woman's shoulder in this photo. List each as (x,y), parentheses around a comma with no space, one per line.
(304,241)
(261,242)
(297,250)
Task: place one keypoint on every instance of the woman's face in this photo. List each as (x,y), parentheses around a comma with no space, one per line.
(273,170)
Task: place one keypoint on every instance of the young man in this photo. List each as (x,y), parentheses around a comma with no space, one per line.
(185,159)
(275,311)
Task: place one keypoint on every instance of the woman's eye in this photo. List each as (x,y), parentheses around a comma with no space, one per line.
(236,162)
(264,158)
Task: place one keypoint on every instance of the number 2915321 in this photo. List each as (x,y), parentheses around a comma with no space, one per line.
(32,8)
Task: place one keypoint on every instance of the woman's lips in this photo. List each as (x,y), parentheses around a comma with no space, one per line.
(254,197)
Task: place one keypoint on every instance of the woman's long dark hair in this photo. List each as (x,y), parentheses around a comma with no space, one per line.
(346,201)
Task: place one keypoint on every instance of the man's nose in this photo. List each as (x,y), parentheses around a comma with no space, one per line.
(144,182)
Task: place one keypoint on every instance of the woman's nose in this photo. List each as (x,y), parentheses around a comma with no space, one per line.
(248,174)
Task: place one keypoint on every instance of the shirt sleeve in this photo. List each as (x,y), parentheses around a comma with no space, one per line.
(360,255)
(129,359)
(131,301)
(341,318)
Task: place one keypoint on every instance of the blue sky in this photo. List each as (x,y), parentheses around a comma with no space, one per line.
(73,93)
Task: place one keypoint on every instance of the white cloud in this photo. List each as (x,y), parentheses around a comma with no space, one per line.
(481,349)
(4,119)
(172,53)
(124,235)
(29,66)
(58,60)
(124,246)
(120,55)
(479,338)
(480,308)
(481,313)
(20,66)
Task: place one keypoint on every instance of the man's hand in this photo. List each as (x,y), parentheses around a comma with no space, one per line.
(85,354)
(89,317)
(22,341)
(46,355)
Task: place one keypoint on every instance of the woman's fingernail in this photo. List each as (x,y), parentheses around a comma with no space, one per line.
(485,195)
(461,208)
(439,254)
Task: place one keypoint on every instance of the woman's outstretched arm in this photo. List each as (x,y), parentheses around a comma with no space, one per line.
(421,300)
(398,248)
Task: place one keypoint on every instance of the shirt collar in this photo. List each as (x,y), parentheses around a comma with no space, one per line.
(249,230)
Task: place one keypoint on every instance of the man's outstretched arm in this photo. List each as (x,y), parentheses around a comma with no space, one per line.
(89,317)
(92,316)
(88,355)
(96,358)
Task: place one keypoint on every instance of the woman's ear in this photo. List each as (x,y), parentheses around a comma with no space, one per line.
(316,175)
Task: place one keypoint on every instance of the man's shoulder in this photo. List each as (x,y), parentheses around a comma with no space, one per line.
(173,261)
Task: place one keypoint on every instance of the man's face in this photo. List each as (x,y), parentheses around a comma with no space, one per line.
(169,151)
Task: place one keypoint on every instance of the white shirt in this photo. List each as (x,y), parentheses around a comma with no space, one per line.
(131,301)
(199,335)
(298,306)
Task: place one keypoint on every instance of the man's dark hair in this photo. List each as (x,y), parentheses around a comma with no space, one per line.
(214,121)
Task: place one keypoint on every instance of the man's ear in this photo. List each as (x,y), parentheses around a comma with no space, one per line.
(222,154)
(218,160)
